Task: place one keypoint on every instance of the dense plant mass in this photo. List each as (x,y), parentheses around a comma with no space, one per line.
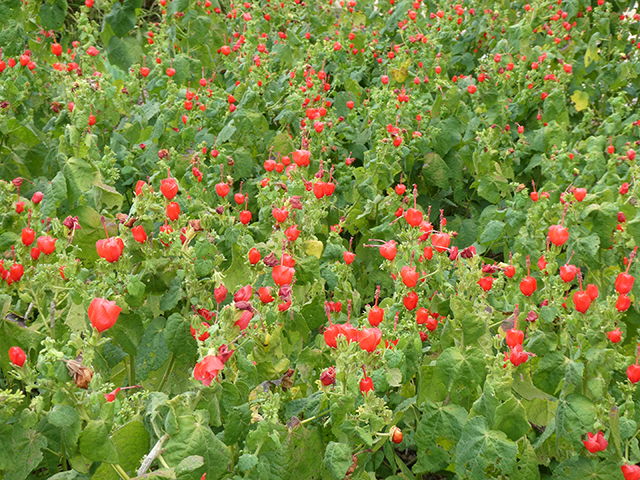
(314,240)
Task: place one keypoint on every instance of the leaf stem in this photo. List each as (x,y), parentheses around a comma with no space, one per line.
(119,470)
(172,362)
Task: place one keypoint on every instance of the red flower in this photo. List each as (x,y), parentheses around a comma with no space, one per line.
(208,369)
(139,234)
(595,443)
(243,321)
(202,330)
(615,335)
(103,313)
(282,275)
(265,294)
(220,293)
(369,338)
(410,300)
(111,396)
(630,472)
(244,294)
(138,189)
(624,283)
(17,356)
(623,303)
(46,245)
(169,188)
(328,377)
(301,157)
(440,241)
(331,335)
(224,353)
(283,307)
(486,283)
(110,248)
(517,357)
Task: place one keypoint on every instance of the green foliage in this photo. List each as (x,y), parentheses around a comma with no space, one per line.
(463,133)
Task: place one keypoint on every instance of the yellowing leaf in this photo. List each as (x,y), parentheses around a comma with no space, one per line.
(400,74)
(580,99)
(314,247)
(359,20)
(591,55)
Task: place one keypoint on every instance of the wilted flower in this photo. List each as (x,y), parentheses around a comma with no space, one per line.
(72,223)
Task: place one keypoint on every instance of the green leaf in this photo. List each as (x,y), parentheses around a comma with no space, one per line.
(132,444)
(237,424)
(304,450)
(124,52)
(177,6)
(487,404)
(135,291)
(437,434)
(128,332)
(194,437)
(7,239)
(55,192)
(633,228)
(153,351)
(313,313)
(243,164)
(95,443)
(582,468)
(203,267)
(226,133)
(52,15)
(282,144)
(247,462)
(356,431)
(189,464)
(591,55)
(12,35)
(236,275)
(63,416)
(488,189)
(555,108)
(480,450)
(122,17)
(80,176)
(448,136)
(337,459)
(435,171)
(27,452)
(528,464)
(8,8)
(550,371)
(492,232)
(170,299)
(602,220)
(473,325)
(461,369)
(177,335)
(511,418)
(575,416)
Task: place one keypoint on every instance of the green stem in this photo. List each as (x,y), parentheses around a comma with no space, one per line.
(163,462)
(197,399)
(119,470)
(172,362)
(83,413)
(132,370)
(63,456)
(314,417)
